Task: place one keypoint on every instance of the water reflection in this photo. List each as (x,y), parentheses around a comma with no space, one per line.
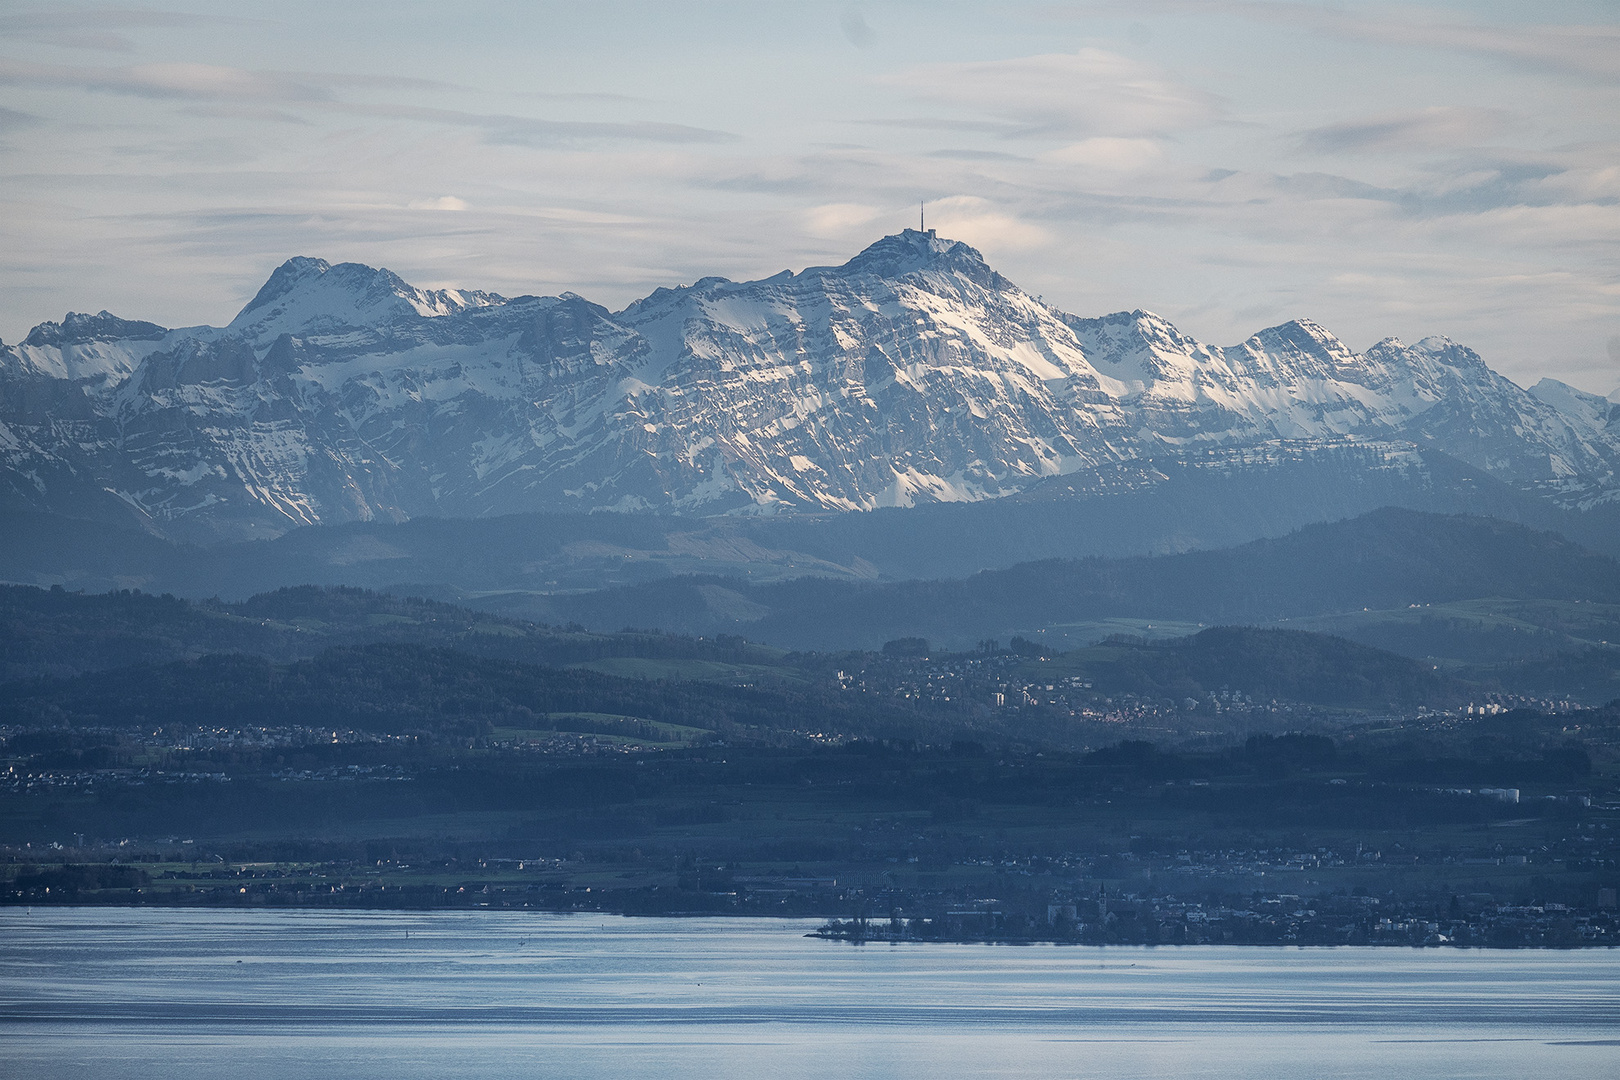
(116,992)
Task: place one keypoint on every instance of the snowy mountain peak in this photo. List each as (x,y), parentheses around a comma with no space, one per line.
(1305,338)
(77,329)
(305,296)
(1590,410)
(911,373)
(99,349)
(283,280)
(1456,357)
(911,250)
(1439,343)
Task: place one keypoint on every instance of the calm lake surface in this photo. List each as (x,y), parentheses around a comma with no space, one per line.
(250,995)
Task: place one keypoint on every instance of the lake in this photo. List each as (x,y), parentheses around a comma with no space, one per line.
(110,992)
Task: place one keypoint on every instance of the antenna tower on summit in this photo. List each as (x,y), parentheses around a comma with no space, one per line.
(922,219)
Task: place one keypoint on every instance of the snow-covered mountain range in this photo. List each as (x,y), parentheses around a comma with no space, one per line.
(912,373)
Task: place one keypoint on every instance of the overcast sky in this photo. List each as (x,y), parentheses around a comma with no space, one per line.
(1403,170)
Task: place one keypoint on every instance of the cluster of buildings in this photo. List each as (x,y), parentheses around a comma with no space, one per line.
(1261,919)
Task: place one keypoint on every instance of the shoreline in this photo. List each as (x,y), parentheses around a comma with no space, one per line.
(918,931)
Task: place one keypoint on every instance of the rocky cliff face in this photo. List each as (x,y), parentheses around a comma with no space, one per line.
(913,373)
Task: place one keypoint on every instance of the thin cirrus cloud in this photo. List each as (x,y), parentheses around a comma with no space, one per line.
(97,29)
(974,220)
(16,118)
(210,82)
(215,84)
(1434,128)
(839,219)
(1110,153)
(1063,95)
(529,131)
(167,80)
(982,223)
(442,202)
(1586,49)
(501,129)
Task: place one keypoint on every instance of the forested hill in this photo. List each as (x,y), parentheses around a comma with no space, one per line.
(1280,665)
(422,690)
(1390,558)
(351,659)
(417,690)
(57,633)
